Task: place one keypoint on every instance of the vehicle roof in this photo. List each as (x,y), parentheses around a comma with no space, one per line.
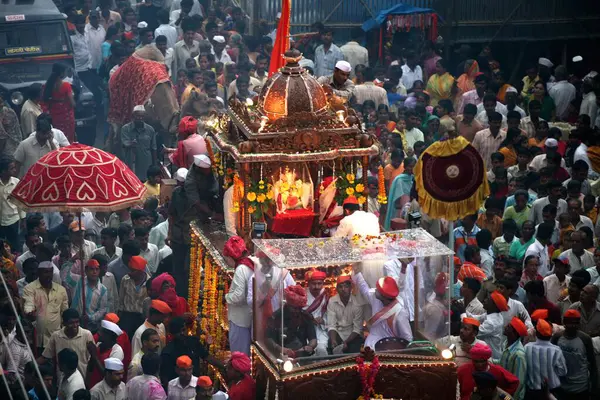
(33,10)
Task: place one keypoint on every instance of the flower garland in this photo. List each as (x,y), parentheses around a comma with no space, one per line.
(260,197)
(381,196)
(238,192)
(367,377)
(211,155)
(347,186)
(196,257)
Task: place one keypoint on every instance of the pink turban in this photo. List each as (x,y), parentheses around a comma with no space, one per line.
(240,362)
(295,296)
(169,296)
(188,125)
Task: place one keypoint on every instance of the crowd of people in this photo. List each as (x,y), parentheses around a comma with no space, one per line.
(97,302)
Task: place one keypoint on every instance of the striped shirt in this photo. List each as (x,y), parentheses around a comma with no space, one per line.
(88,250)
(463,238)
(178,392)
(545,361)
(96,298)
(513,360)
(131,297)
(110,282)
(486,144)
(20,357)
(59,341)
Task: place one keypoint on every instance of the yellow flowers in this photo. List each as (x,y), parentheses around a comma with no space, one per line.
(251,210)
(285,186)
(270,195)
(360,188)
(261,198)
(361,200)
(251,196)
(349,191)
(350,178)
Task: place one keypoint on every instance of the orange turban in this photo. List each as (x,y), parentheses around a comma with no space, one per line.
(112,317)
(160,306)
(188,125)
(235,248)
(573,314)
(471,321)
(519,326)
(457,261)
(343,278)
(315,275)
(138,263)
(93,263)
(295,296)
(388,287)
(500,301)
(204,382)
(240,362)
(544,328)
(183,362)
(480,351)
(540,313)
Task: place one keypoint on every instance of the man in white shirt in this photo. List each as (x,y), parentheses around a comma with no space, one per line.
(112,386)
(221,55)
(403,273)
(577,256)
(353,52)
(10,215)
(558,282)
(411,71)
(541,160)
(554,193)
(466,339)
(34,147)
(239,313)
(492,327)
(539,248)
(148,250)
(588,104)
(186,48)
(95,35)
(81,46)
(356,221)
(316,305)
(369,91)
(184,386)
(72,380)
(413,134)
(562,92)
(165,29)
(344,319)
(488,106)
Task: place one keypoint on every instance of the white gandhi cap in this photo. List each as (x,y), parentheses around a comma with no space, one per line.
(181,174)
(219,39)
(46,265)
(545,62)
(111,326)
(139,108)
(113,364)
(343,66)
(202,161)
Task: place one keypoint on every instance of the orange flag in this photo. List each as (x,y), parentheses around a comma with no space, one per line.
(282,40)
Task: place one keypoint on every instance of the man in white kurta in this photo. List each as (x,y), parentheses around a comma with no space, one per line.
(403,273)
(389,318)
(316,306)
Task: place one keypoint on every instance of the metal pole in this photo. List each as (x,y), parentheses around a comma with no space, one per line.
(82,273)
(451,235)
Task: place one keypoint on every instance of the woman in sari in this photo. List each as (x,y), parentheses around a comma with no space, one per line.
(540,94)
(441,84)
(400,190)
(432,133)
(519,247)
(465,82)
(59,101)
(508,146)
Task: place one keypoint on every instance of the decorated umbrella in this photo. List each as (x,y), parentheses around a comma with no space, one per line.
(78,178)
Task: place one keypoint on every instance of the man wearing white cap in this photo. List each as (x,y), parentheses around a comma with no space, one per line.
(545,72)
(541,160)
(138,141)
(107,348)
(339,82)
(353,52)
(221,55)
(159,234)
(112,386)
(201,187)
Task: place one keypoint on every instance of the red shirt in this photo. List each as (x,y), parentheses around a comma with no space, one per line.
(187,149)
(244,389)
(506,380)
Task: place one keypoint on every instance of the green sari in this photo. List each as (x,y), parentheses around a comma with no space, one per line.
(439,87)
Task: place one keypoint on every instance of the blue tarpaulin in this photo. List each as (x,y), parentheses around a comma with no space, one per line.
(399,9)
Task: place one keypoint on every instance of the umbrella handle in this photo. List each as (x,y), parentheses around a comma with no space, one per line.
(82,275)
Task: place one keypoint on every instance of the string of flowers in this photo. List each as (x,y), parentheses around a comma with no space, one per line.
(238,192)
(381,196)
(196,256)
(211,155)
(367,375)
(347,185)
(219,332)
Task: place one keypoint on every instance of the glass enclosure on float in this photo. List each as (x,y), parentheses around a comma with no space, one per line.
(298,322)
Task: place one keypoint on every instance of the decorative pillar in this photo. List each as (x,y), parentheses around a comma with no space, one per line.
(365,180)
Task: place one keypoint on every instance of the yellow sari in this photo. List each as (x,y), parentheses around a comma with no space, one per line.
(439,87)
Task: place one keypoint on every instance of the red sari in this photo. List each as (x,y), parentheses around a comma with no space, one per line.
(60,109)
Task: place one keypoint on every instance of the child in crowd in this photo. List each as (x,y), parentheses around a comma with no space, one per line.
(490,219)
(152,184)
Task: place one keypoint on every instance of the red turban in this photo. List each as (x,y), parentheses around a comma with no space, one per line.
(159,280)
(188,125)
(112,317)
(500,301)
(540,313)
(350,200)
(241,362)
(235,248)
(183,362)
(343,278)
(295,296)
(544,328)
(441,283)
(574,314)
(160,306)
(471,321)
(457,261)
(169,295)
(519,326)
(480,351)
(204,382)
(93,263)
(388,287)
(138,263)
(315,275)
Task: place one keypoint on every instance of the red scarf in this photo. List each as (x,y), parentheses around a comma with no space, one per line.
(317,303)
(247,262)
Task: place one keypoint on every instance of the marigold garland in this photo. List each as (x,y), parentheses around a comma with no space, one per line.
(367,375)
(196,256)
(260,197)
(381,197)
(211,155)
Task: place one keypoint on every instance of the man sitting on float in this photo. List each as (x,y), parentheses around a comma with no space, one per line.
(316,306)
(299,335)
(344,319)
(389,318)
